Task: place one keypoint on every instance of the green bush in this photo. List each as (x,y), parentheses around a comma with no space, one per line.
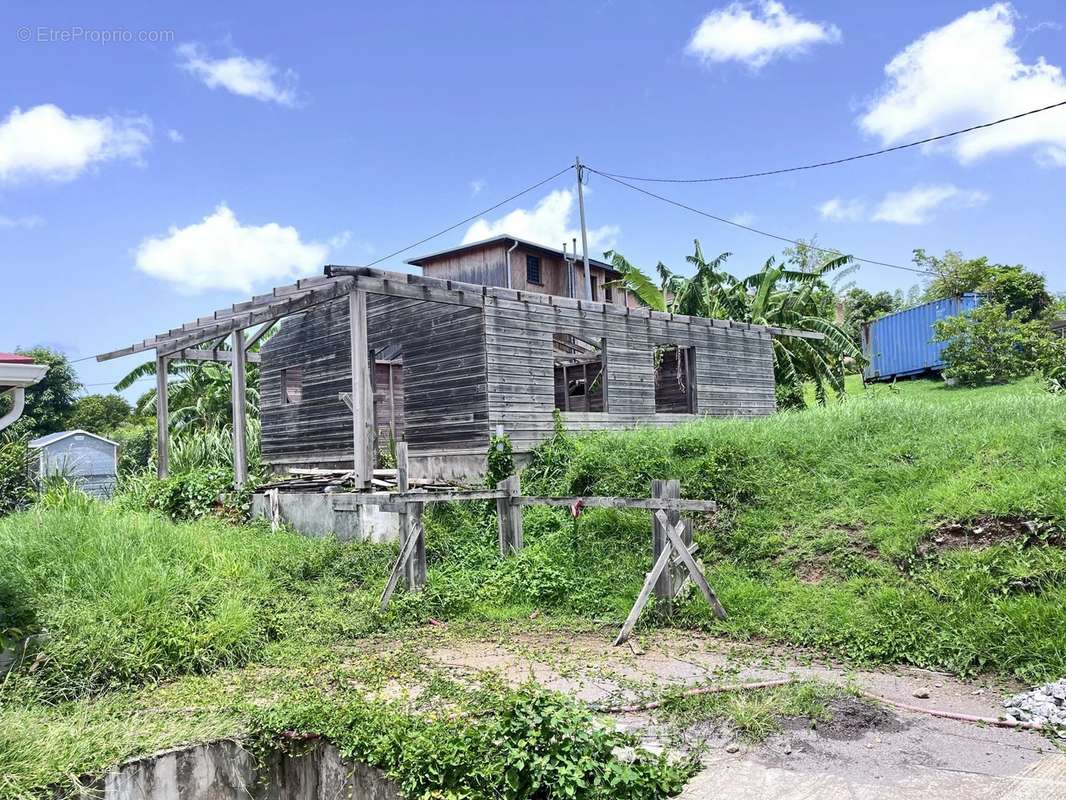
(500,460)
(16,487)
(136,444)
(989,346)
(528,743)
(191,495)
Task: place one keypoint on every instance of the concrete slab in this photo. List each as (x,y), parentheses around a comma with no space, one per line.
(907,755)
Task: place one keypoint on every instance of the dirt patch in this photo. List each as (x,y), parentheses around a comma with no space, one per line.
(988,531)
(812,571)
(847,719)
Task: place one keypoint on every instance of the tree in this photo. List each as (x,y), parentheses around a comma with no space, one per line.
(99,413)
(776,295)
(199,392)
(50,401)
(989,345)
(861,306)
(1014,287)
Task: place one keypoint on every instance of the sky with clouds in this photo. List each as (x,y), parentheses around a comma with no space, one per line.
(159,163)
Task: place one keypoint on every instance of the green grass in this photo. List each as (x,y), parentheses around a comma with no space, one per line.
(753,714)
(127,598)
(818,543)
(825,509)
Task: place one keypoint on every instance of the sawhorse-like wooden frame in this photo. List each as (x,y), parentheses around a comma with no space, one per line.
(675,547)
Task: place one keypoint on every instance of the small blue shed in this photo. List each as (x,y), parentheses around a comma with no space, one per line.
(901,345)
(88,461)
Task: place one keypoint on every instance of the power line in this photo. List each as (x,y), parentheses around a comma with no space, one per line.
(112,383)
(473,217)
(755,230)
(835,161)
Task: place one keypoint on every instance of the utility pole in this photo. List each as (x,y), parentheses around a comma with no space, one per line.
(584,233)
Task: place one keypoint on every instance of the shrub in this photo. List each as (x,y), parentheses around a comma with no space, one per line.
(500,460)
(16,487)
(190,495)
(136,443)
(988,345)
(528,743)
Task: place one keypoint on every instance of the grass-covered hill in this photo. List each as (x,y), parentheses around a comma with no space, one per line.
(912,524)
(915,524)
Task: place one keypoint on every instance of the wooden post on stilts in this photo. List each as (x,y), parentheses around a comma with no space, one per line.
(162,419)
(238,386)
(362,393)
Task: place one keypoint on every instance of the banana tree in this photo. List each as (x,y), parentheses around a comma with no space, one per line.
(776,295)
(199,392)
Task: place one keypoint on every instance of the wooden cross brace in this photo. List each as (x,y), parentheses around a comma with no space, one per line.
(677,545)
(414,537)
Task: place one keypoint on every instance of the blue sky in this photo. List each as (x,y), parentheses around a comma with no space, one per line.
(210,150)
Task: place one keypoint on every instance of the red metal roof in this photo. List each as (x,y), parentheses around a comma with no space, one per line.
(14,358)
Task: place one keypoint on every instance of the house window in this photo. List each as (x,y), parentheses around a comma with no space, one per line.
(580,374)
(533,270)
(292,385)
(595,288)
(675,380)
(608,294)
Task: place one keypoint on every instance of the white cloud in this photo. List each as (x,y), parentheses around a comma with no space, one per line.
(221,253)
(21,222)
(755,35)
(916,206)
(47,143)
(839,210)
(248,77)
(175,136)
(970,72)
(745,218)
(548,223)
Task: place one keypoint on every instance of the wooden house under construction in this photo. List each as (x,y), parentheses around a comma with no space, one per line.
(364,357)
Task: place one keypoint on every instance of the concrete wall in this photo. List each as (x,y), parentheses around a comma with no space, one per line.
(313,514)
(225,771)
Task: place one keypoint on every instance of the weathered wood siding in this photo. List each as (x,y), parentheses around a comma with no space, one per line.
(484,265)
(445,393)
(488,266)
(734,367)
(388,403)
(443,380)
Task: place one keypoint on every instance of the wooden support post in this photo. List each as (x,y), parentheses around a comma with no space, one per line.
(603,374)
(162,418)
(238,386)
(509,516)
(397,568)
(660,541)
(362,392)
(418,557)
(402,485)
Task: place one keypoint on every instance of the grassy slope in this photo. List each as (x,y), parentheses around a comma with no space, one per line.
(843,495)
(816,545)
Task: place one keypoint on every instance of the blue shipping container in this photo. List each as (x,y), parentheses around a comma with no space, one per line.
(900,344)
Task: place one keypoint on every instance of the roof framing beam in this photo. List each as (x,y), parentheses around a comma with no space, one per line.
(338,281)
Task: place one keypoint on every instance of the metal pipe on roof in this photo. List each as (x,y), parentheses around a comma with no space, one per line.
(511,250)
